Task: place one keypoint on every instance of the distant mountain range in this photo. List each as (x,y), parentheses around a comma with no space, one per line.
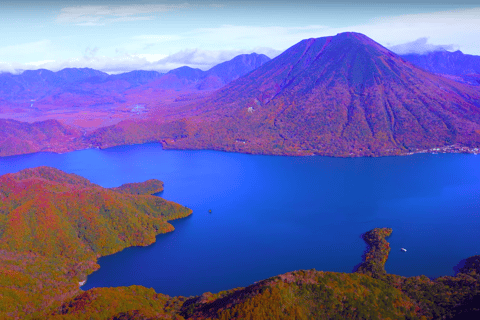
(465,67)
(189,78)
(342,95)
(37,84)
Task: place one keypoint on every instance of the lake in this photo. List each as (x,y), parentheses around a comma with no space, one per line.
(273,214)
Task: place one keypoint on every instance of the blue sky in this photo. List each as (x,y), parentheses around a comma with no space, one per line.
(119,36)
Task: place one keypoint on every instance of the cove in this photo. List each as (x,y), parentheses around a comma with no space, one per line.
(274,214)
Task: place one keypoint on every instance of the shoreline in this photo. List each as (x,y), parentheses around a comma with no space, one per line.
(455,148)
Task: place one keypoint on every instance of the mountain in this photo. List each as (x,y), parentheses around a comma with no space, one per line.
(227,71)
(21,137)
(343,95)
(446,62)
(136,77)
(214,78)
(91,99)
(54,226)
(36,84)
(465,66)
(177,79)
(69,75)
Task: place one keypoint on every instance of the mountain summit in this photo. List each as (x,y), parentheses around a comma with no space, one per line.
(342,95)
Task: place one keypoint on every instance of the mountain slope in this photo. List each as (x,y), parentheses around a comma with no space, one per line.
(465,67)
(227,71)
(20,137)
(214,78)
(36,84)
(446,62)
(54,225)
(342,95)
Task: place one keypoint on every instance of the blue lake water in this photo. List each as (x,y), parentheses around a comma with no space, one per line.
(272,214)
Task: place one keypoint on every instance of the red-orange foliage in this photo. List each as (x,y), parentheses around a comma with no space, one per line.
(64,223)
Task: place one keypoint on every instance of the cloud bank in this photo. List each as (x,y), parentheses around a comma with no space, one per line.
(194,58)
(420,46)
(88,15)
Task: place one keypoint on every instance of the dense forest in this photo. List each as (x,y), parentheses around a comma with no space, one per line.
(54,226)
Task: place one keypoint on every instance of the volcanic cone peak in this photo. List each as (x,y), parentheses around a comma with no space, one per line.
(350,59)
(339,95)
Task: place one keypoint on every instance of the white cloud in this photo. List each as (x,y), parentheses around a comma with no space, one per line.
(420,46)
(194,58)
(118,64)
(39,63)
(127,19)
(12,67)
(91,15)
(24,49)
(458,28)
(152,57)
(90,53)
(200,58)
(205,59)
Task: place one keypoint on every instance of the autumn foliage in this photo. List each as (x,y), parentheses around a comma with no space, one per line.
(344,95)
(54,225)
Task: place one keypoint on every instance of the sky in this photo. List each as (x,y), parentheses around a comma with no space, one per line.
(120,36)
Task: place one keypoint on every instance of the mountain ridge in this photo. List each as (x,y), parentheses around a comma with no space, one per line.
(461,67)
(37,84)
